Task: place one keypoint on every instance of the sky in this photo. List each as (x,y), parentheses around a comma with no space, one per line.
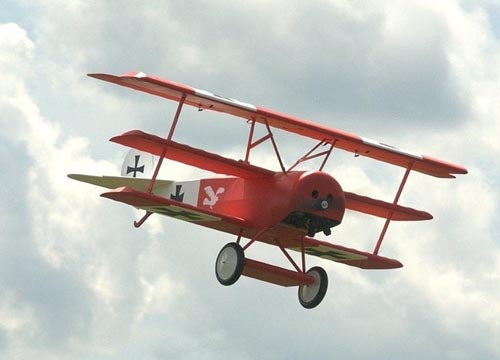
(77,280)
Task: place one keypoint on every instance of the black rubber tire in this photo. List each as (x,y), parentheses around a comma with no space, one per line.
(311,295)
(228,270)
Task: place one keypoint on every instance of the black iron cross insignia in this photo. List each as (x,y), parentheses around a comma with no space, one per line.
(177,196)
(136,167)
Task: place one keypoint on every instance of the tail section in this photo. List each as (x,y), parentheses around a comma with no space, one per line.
(136,173)
(138,164)
(114,182)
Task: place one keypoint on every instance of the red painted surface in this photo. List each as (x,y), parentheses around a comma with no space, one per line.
(189,155)
(240,211)
(344,140)
(383,209)
(264,205)
(389,218)
(262,197)
(275,274)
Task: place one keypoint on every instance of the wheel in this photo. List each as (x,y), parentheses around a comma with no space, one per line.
(311,295)
(229,264)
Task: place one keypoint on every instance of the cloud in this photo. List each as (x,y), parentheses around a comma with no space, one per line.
(77,279)
(363,62)
(51,266)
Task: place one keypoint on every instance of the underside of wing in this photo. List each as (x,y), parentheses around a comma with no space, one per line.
(350,142)
(230,224)
(348,256)
(189,155)
(175,209)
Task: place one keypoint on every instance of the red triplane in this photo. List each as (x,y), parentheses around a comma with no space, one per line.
(285,208)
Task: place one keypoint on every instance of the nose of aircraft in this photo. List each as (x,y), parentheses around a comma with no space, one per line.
(319,191)
(321,197)
(323,203)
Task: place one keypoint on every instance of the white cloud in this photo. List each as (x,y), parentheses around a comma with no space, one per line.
(15,45)
(14,318)
(342,63)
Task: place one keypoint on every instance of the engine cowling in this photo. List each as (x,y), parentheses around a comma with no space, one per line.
(319,203)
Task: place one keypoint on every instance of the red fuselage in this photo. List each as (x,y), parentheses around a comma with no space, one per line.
(309,201)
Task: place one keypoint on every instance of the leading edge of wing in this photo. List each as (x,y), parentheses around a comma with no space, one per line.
(350,142)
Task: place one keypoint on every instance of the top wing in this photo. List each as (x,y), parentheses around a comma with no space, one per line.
(350,142)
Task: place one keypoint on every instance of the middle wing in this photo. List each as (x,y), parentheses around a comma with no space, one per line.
(206,100)
(189,155)
(383,209)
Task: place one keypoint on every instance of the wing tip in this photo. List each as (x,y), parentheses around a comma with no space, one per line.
(97,75)
(79,177)
(121,189)
(458,169)
(398,264)
(444,169)
(136,74)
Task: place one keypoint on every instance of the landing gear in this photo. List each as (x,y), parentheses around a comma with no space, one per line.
(311,295)
(229,264)
(312,284)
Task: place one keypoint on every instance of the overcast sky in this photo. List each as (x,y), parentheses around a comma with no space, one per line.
(78,281)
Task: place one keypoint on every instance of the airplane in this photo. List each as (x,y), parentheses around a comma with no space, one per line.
(285,207)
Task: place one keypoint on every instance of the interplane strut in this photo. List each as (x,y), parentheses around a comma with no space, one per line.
(389,218)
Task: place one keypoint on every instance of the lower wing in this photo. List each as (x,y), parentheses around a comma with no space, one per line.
(348,256)
(179,210)
(138,198)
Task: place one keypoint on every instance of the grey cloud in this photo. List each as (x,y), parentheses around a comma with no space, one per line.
(58,298)
(314,61)
(325,64)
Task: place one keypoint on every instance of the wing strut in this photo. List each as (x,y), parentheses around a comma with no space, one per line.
(251,144)
(137,224)
(395,202)
(170,134)
(308,155)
